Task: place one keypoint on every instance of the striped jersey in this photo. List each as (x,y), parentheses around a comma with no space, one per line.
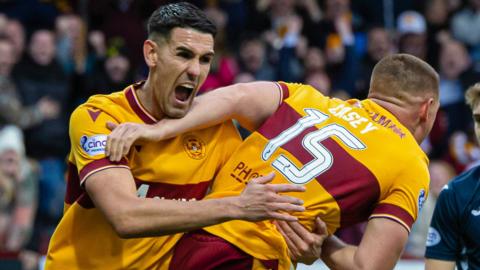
(356,160)
(181,168)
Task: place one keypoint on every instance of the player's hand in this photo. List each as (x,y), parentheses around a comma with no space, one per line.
(304,246)
(123,136)
(260,200)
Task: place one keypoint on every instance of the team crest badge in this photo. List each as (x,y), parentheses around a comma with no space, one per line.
(194,147)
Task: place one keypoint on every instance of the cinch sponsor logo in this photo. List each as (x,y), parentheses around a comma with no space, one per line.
(94,145)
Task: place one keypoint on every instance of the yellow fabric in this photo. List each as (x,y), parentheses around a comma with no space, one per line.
(83,238)
(392,157)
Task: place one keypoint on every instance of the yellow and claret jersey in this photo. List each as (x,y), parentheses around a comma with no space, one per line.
(356,160)
(181,168)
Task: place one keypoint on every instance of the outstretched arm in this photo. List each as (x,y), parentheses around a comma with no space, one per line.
(250,103)
(134,216)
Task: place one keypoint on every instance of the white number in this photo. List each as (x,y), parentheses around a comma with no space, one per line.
(323,158)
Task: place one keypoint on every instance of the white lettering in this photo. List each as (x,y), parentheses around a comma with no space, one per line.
(368,128)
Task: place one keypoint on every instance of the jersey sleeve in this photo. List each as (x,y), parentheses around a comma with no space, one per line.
(88,136)
(443,240)
(405,196)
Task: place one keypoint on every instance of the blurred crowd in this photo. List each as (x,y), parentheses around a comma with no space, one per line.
(54,54)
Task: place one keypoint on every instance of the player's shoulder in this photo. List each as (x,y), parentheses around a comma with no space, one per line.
(290,89)
(111,104)
(464,185)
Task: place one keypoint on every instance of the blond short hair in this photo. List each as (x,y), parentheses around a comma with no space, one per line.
(472,96)
(404,75)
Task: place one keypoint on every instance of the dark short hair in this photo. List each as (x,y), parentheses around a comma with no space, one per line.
(182,14)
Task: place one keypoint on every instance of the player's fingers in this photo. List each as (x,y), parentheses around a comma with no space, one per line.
(126,143)
(130,139)
(286,188)
(117,142)
(264,179)
(291,247)
(321,227)
(296,239)
(282,216)
(286,207)
(111,125)
(286,199)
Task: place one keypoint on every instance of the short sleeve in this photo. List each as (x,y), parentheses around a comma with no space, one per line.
(406,196)
(443,240)
(88,136)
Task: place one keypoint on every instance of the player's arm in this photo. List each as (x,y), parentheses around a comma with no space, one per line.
(433,264)
(380,248)
(113,192)
(250,103)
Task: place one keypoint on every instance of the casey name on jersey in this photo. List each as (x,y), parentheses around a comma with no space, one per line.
(353,118)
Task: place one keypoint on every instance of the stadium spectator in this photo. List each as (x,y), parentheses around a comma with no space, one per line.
(295,141)
(113,72)
(16,33)
(11,109)
(438,28)
(456,74)
(453,236)
(224,66)
(253,59)
(379,44)
(412,30)
(39,76)
(108,202)
(19,196)
(466,24)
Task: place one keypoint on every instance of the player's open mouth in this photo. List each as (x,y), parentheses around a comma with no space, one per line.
(183,92)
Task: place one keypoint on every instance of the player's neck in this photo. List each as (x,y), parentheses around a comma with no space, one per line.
(146,97)
(399,109)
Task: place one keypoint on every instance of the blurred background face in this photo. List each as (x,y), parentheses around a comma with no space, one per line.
(319,81)
(42,47)
(282,7)
(379,44)
(117,68)
(335,8)
(314,60)
(252,53)
(454,60)
(7,57)
(15,32)
(475,4)
(441,173)
(414,44)
(436,11)
(10,164)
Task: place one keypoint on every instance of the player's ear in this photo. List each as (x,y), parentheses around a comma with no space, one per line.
(150,52)
(425,109)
